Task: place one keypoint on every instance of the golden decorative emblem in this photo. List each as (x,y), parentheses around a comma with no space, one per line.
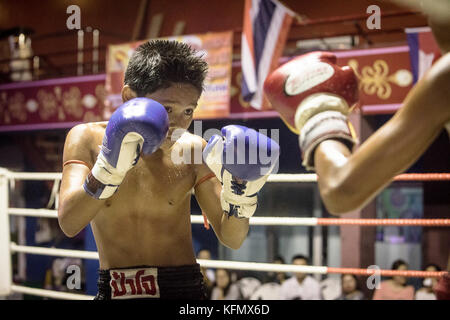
(71,101)
(48,104)
(100,93)
(16,107)
(375,79)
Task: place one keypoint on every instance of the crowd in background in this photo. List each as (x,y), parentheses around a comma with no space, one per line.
(223,284)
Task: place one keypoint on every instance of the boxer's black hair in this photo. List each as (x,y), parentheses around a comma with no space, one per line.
(157,64)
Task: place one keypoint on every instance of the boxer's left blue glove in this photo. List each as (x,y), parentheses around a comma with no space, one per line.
(139,124)
(242,160)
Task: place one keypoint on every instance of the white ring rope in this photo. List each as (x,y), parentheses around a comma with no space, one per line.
(50,293)
(255,266)
(198,219)
(281,177)
(35,213)
(93,255)
(34,175)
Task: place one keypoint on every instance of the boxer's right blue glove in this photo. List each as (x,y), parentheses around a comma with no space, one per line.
(140,124)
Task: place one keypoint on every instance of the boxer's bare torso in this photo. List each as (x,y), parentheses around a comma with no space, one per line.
(147,221)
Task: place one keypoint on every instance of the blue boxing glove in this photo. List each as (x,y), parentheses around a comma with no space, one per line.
(139,124)
(242,159)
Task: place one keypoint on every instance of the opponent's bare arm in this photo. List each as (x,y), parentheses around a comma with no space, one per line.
(231,231)
(438,13)
(348,181)
(76,207)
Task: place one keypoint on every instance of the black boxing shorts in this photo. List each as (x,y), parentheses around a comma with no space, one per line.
(144,282)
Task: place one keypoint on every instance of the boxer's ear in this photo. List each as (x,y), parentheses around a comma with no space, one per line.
(128,93)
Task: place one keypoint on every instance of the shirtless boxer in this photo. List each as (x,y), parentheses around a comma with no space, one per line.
(120,177)
(314,97)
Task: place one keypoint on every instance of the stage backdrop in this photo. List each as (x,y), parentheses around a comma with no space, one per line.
(385,78)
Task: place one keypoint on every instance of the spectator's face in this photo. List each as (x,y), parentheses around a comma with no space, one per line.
(348,284)
(277,261)
(398,279)
(279,274)
(222,278)
(204,254)
(301,262)
(433,280)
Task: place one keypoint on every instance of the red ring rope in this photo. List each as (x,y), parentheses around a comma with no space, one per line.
(384,222)
(387,273)
(422,177)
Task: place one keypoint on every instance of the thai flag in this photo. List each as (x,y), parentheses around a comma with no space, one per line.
(423,50)
(265,29)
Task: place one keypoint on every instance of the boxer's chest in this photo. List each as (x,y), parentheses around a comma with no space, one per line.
(156,185)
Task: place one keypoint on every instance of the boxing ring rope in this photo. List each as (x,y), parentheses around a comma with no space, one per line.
(240,265)
(277,221)
(280,177)
(10,247)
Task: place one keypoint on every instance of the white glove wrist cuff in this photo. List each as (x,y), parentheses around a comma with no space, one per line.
(323,126)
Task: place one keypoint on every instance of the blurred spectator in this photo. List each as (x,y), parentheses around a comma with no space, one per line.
(224,288)
(300,286)
(442,288)
(247,286)
(208,274)
(330,287)
(267,291)
(350,288)
(278,277)
(426,292)
(395,288)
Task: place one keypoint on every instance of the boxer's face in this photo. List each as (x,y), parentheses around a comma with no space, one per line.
(180,101)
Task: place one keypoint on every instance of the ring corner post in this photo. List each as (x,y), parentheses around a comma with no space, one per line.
(5,254)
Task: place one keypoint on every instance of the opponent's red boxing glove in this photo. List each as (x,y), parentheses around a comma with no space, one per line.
(314,96)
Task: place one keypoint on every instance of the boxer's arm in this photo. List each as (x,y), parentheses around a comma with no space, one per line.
(349,181)
(438,12)
(231,231)
(76,208)
(441,34)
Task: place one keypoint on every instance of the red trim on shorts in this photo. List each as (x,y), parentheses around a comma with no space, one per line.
(77,162)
